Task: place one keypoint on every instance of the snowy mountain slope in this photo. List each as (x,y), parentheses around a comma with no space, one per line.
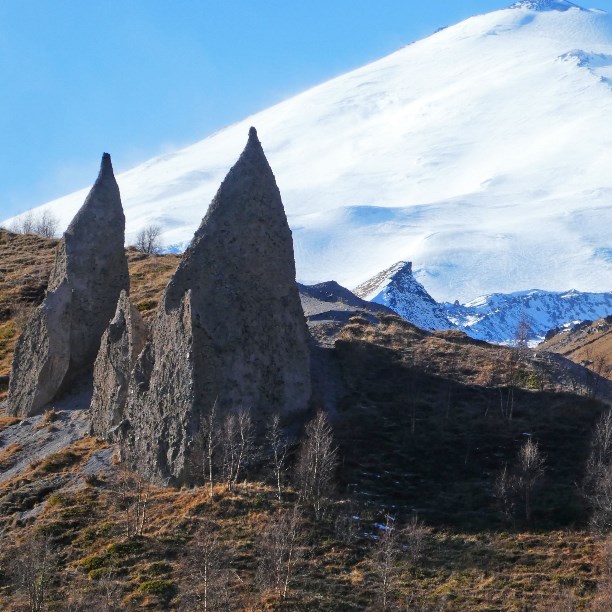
(482,153)
(494,318)
(397,289)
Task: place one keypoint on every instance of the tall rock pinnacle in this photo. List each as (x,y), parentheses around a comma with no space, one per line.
(61,341)
(230,328)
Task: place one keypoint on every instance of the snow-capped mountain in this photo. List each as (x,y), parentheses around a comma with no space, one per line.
(494,318)
(398,289)
(482,153)
(497,317)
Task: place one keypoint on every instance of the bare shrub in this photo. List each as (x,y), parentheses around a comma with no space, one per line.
(505,493)
(280,549)
(316,465)
(43,224)
(209,441)
(205,567)
(414,537)
(132,492)
(104,594)
(31,567)
(531,466)
(392,546)
(277,449)
(237,445)
(348,521)
(597,487)
(148,239)
(46,224)
(383,562)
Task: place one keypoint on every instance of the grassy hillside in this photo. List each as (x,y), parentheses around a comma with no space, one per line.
(25,264)
(424,424)
(590,343)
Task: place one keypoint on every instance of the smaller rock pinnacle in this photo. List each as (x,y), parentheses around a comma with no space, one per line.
(106,164)
(253,134)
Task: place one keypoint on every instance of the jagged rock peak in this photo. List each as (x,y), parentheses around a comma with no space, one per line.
(368,289)
(89,273)
(398,289)
(230,331)
(121,344)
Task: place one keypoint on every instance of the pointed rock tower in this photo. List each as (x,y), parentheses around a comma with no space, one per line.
(121,344)
(60,343)
(230,328)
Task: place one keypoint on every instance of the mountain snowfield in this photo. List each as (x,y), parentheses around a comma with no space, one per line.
(483,154)
(494,318)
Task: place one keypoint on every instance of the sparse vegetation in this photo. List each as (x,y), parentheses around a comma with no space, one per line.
(422,424)
(148,240)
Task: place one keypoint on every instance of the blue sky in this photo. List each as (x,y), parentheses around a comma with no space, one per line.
(140,77)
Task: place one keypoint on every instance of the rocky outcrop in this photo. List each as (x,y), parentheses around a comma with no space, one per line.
(61,341)
(121,344)
(230,329)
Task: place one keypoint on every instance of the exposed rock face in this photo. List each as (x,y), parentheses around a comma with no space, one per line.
(230,327)
(61,341)
(121,344)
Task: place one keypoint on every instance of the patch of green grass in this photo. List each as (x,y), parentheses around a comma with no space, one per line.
(146,305)
(124,549)
(165,589)
(93,562)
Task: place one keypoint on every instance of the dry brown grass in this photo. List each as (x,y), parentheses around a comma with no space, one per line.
(26,263)
(585,344)
(7,456)
(149,275)
(6,421)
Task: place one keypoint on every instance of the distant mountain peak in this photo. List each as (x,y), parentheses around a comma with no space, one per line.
(546,5)
(398,289)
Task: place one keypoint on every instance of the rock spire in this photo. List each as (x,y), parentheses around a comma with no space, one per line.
(229,331)
(60,343)
(121,344)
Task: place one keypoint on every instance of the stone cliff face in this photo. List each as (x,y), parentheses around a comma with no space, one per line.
(60,343)
(121,344)
(230,327)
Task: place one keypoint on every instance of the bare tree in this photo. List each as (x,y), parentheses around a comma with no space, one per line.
(31,567)
(414,537)
(209,441)
(132,492)
(531,466)
(43,224)
(278,447)
(24,224)
(348,522)
(237,445)
(505,493)
(103,594)
(521,339)
(46,224)
(280,549)
(148,239)
(205,567)
(598,476)
(316,465)
(383,561)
